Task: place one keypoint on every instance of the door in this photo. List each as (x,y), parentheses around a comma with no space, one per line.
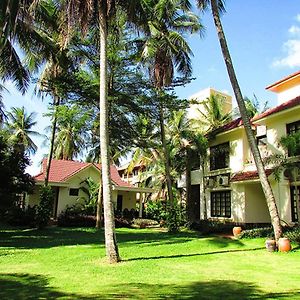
(195,195)
(120,203)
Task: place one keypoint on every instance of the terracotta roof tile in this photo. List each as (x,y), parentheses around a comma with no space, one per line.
(250,175)
(286,105)
(282,80)
(238,122)
(61,170)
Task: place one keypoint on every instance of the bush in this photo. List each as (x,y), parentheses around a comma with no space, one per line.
(156,210)
(211,226)
(175,217)
(45,207)
(17,216)
(293,234)
(266,232)
(72,220)
(143,223)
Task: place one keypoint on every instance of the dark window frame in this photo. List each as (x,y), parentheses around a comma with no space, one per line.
(74,192)
(292,128)
(220,204)
(294,208)
(219,156)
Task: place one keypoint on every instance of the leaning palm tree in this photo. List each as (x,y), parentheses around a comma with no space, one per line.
(165,50)
(19,124)
(217,7)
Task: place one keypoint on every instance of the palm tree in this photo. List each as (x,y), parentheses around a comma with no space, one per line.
(72,131)
(18,27)
(217,7)
(20,124)
(211,115)
(82,11)
(164,51)
(188,143)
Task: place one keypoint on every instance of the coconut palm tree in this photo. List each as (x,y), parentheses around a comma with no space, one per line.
(217,7)
(164,50)
(72,131)
(19,124)
(211,115)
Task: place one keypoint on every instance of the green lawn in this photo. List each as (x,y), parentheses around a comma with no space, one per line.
(70,264)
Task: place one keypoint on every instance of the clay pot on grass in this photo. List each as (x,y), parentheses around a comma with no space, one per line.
(271,245)
(236,230)
(284,245)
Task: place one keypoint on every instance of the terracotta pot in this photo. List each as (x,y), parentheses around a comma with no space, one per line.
(236,230)
(271,245)
(284,245)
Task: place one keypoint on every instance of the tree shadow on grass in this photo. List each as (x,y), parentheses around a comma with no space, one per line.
(56,236)
(26,286)
(191,254)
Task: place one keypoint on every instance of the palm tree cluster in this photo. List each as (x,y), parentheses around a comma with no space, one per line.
(110,67)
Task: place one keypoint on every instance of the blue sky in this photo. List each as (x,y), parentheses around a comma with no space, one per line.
(264,40)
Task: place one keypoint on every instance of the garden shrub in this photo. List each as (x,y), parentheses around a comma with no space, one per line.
(266,232)
(18,216)
(75,220)
(211,226)
(293,234)
(174,218)
(156,210)
(45,207)
(143,223)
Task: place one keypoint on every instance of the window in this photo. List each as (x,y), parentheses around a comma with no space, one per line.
(220,204)
(219,156)
(295,198)
(293,129)
(73,192)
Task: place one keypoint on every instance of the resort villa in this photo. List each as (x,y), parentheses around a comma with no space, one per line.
(232,189)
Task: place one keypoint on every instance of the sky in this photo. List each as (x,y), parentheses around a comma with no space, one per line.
(264,40)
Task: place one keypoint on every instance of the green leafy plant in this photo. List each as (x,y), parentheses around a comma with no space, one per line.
(45,207)
(156,210)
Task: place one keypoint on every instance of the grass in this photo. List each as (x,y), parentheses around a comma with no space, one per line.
(60,263)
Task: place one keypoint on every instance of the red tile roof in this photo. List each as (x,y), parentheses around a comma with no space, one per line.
(282,80)
(276,109)
(250,175)
(238,122)
(61,170)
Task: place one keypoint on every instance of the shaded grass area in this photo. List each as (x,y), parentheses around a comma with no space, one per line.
(64,263)
(25,286)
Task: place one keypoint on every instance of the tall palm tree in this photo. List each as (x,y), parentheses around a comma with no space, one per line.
(165,50)
(217,7)
(72,131)
(82,11)
(19,124)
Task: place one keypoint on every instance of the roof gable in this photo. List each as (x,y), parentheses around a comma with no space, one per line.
(62,170)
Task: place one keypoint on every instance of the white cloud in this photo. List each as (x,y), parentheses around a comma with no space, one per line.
(292,58)
(290,49)
(294,30)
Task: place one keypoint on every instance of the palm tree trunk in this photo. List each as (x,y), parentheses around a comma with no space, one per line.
(246,121)
(190,207)
(56,102)
(203,190)
(99,206)
(166,154)
(109,224)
